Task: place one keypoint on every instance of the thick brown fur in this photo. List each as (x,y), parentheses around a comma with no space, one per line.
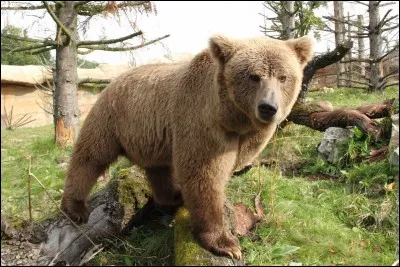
(190,124)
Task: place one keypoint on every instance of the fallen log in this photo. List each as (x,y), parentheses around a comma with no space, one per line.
(59,241)
(321,115)
(319,62)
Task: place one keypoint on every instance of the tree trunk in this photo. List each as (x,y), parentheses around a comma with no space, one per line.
(320,62)
(348,56)
(66,115)
(374,45)
(339,37)
(361,46)
(288,19)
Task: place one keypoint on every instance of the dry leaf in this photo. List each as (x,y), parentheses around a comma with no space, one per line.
(377,154)
(389,187)
(332,251)
(245,218)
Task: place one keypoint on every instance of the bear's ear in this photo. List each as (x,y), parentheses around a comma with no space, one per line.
(222,48)
(303,47)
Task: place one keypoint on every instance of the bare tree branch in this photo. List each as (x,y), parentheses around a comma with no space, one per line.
(80,3)
(26,39)
(357,60)
(359,36)
(387,53)
(89,80)
(381,23)
(80,52)
(26,48)
(121,49)
(45,49)
(319,62)
(61,3)
(265,30)
(390,74)
(390,28)
(387,4)
(360,2)
(349,80)
(110,41)
(389,19)
(93,9)
(57,21)
(345,22)
(391,84)
(33,7)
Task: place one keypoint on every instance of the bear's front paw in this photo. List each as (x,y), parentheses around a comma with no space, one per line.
(221,243)
(76,210)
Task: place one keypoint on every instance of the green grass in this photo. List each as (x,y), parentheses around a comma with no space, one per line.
(320,218)
(342,221)
(145,246)
(16,148)
(345,97)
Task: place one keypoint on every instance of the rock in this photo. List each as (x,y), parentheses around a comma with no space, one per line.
(331,148)
(63,165)
(394,140)
(292,263)
(395,157)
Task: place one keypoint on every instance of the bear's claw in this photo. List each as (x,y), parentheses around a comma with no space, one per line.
(223,244)
(76,210)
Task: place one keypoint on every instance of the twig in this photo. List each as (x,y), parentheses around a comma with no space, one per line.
(22,7)
(29,190)
(26,39)
(90,80)
(110,41)
(57,21)
(107,48)
(90,254)
(55,203)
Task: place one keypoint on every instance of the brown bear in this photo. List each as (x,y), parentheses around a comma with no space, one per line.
(190,125)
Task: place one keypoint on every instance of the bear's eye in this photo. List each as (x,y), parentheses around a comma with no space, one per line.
(255,78)
(282,78)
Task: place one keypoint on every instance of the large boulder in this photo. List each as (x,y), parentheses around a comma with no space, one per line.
(331,148)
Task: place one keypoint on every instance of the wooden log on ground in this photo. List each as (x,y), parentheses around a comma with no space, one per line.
(59,241)
(321,115)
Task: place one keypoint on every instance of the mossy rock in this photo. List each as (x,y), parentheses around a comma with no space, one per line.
(188,251)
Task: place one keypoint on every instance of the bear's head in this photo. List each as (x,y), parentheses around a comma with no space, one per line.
(261,76)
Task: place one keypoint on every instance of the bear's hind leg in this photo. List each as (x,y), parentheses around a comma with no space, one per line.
(74,199)
(95,149)
(165,191)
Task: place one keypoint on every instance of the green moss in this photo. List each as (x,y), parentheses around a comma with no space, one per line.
(133,188)
(187,250)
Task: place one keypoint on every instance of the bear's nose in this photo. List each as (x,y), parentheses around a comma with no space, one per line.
(267,109)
